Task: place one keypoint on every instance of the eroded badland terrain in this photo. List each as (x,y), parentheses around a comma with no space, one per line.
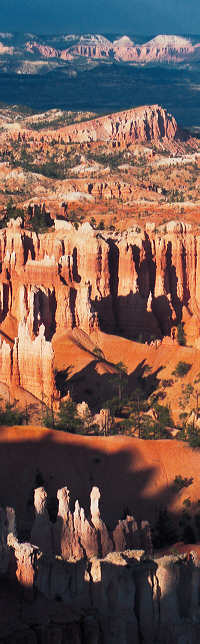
(100,335)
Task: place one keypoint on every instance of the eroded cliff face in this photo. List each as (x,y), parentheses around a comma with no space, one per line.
(29,363)
(158,277)
(140,283)
(119,597)
(148,123)
(61,279)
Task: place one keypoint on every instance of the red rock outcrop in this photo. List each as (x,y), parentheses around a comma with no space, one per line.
(29,364)
(47,51)
(164,267)
(33,364)
(5,362)
(142,124)
(67,529)
(44,50)
(90,50)
(25,559)
(146,124)
(54,286)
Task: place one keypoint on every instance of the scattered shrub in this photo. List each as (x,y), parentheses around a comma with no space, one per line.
(181,369)
(124,427)
(11,415)
(193,438)
(101,225)
(66,420)
(181,335)
(93,222)
(187,503)
(167,383)
(165,530)
(180,482)
(98,353)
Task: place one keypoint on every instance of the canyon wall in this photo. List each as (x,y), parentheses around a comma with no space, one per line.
(81,278)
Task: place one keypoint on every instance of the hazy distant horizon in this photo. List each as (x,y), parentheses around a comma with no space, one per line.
(105,33)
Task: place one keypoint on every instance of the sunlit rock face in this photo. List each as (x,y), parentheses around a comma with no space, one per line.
(86,279)
(142,124)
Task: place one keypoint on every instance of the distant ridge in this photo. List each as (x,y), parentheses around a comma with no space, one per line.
(161,49)
(35,54)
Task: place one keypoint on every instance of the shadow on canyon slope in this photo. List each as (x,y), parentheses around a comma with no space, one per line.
(95,384)
(129,478)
